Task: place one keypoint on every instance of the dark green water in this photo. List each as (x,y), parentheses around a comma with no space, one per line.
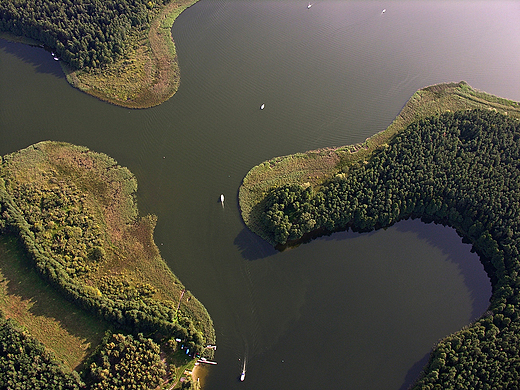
(348,311)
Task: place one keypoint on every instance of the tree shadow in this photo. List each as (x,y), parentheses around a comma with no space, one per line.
(445,238)
(27,289)
(40,58)
(252,247)
(450,243)
(413,373)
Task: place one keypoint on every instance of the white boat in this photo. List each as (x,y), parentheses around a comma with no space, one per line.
(262,106)
(222,199)
(243,374)
(55,57)
(309,6)
(383,11)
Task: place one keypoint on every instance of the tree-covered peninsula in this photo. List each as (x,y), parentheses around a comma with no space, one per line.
(451,157)
(119,51)
(74,215)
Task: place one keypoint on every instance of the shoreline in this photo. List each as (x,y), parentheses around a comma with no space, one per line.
(195,377)
(316,167)
(148,76)
(115,256)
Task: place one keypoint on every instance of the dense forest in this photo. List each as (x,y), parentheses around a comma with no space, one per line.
(126,362)
(459,169)
(121,361)
(84,33)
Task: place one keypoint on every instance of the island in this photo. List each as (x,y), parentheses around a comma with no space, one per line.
(452,156)
(84,290)
(119,51)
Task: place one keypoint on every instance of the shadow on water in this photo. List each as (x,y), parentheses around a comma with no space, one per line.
(414,372)
(444,238)
(38,57)
(450,243)
(252,247)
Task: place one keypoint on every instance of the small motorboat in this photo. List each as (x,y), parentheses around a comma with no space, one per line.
(262,106)
(222,199)
(383,11)
(309,6)
(243,374)
(55,57)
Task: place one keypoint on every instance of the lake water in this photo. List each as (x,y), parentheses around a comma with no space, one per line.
(355,311)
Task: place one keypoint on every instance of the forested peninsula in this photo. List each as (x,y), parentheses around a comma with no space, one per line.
(120,51)
(71,215)
(452,156)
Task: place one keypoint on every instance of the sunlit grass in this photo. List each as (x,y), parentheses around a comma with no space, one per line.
(149,72)
(318,166)
(107,194)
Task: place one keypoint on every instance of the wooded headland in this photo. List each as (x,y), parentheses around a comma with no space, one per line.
(74,213)
(316,167)
(452,156)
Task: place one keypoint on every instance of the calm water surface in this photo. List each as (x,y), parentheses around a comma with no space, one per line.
(346,311)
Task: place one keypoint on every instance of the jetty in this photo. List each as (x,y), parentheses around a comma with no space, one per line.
(206,361)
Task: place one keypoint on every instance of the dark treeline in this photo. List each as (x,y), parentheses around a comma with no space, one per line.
(25,364)
(459,169)
(84,33)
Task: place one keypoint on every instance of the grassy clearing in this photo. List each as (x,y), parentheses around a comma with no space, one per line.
(149,73)
(137,260)
(313,168)
(67,331)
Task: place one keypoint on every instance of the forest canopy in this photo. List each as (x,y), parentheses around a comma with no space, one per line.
(25,364)
(84,33)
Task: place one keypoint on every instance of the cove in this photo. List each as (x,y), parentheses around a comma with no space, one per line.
(399,289)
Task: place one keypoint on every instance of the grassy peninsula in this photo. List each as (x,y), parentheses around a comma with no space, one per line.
(451,157)
(314,168)
(119,51)
(69,220)
(147,75)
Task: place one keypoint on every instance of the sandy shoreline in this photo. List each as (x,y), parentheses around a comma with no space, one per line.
(198,374)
